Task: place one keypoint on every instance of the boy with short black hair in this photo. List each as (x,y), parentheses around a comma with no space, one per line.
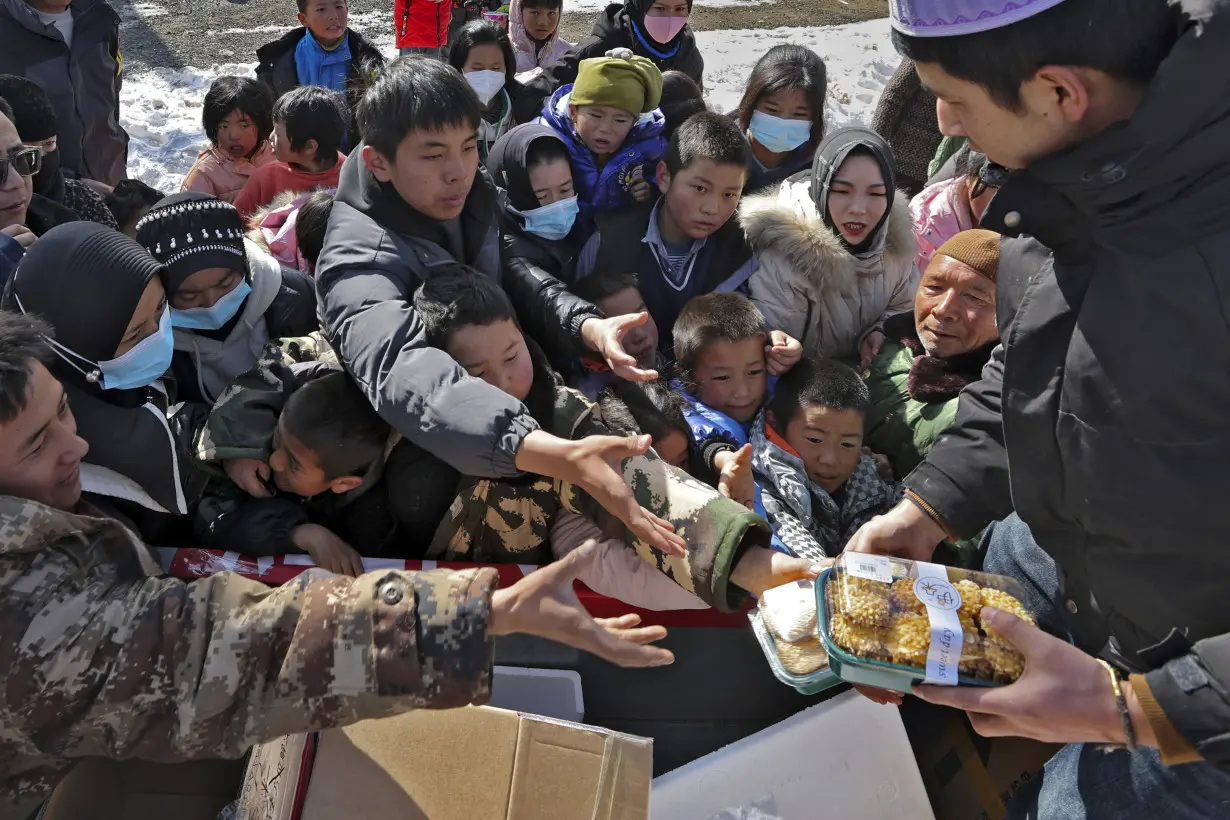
(325,472)
(309,126)
(725,355)
(686,244)
(817,484)
(324,52)
(130,200)
(410,200)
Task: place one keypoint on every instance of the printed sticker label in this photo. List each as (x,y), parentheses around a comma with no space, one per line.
(942,600)
(872,567)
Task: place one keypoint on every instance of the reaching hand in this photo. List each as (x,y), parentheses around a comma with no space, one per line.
(783,352)
(250,474)
(904,531)
(594,464)
(545,604)
(24,236)
(640,189)
(884,468)
(872,343)
(327,550)
(735,480)
(760,569)
(606,338)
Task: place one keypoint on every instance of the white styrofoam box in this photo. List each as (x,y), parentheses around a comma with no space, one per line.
(845,758)
(554,693)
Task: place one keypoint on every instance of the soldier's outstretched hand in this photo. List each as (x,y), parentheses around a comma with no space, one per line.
(545,604)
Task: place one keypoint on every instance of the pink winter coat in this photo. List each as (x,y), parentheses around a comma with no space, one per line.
(217,174)
(940,212)
(529,56)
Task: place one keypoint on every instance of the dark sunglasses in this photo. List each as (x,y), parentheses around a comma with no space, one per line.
(25,161)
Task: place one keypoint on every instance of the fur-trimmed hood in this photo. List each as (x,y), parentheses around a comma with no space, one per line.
(786,223)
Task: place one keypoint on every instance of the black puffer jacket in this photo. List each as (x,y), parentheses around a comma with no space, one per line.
(1104,418)
(619,26)
(377,251)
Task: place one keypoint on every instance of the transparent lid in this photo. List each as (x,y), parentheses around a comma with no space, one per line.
(789,616)
(923,617)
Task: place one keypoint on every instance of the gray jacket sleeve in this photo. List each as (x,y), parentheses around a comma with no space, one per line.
(465,422)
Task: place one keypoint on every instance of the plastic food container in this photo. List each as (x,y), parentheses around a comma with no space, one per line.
(891,623)
(806,651)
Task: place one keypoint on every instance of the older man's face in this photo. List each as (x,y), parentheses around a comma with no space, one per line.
(954,309)
(15,190)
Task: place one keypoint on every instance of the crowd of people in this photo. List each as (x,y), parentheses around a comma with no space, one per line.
(508,299)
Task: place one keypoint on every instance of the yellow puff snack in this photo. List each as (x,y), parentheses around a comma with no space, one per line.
(971,599)
(1003,601)
(904,599)
(803,657)
(1007,664)
(859,640)
(865,602)
(908,639)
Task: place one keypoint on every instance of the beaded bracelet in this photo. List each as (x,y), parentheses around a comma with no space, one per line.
(1129,731)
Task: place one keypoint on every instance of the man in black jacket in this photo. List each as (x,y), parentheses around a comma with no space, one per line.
(1102,419)
(72,50)
(410,199)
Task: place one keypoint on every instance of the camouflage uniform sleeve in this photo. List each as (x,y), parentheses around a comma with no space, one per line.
(242,422)
(165,670)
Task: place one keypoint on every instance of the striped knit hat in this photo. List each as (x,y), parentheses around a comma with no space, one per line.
(190,232)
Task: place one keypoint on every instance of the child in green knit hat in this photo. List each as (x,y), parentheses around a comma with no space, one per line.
(610,121)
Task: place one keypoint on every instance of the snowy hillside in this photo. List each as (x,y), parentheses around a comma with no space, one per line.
(161,109)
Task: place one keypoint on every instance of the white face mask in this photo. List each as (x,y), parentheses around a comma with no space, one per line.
(486,84)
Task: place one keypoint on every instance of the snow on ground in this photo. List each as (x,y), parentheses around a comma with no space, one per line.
(161,109)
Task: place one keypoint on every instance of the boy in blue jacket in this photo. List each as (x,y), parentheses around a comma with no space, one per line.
(610,121)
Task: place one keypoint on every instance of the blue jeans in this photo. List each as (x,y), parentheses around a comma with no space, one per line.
(1082,782)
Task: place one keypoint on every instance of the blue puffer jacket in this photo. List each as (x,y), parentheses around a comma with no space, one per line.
(607,189)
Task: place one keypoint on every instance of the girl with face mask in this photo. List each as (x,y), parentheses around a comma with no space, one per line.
(655,29)
(103,296)
(226,297)
(484,56)
(836,249)
(782,114)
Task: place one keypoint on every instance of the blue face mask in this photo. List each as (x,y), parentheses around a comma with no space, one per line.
(778,135)
(144,364)
(552,221)
(214,316)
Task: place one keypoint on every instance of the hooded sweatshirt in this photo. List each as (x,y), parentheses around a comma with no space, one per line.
(532,54)
(282,303)
(139,458)
(619,26)
(811,283)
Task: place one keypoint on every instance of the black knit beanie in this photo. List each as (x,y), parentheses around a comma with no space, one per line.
(190,232)
(34,117)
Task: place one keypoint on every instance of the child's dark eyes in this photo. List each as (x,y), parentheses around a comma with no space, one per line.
(849,446)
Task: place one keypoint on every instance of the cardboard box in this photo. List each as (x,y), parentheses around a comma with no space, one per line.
(845,758)
(476,763)
(974,778)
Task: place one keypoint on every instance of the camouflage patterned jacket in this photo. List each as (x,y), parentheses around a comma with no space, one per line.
(511,521)
(100,656)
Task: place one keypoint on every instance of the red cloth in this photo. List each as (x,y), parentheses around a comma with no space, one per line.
(195,563)
(271,180)
(422,23)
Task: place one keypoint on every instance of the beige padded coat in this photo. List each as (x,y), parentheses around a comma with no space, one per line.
(810,286)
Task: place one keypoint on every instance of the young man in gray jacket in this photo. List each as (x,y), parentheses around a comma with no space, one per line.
(72,50)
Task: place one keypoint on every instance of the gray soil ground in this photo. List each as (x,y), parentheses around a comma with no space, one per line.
(176,33)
